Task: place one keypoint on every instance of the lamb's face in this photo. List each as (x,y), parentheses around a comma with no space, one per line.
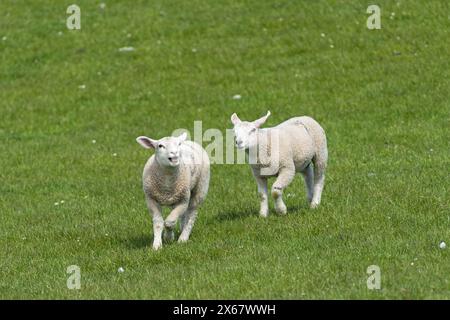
(245,132)
(245,135)
(167,150)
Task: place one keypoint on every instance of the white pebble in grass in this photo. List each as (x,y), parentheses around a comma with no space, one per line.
(331,46)
(322,35)
(5,38)
(120,270)
(82,87)
(102,5)
(442,245)
(60,33)
(62,201)
(237,97)
(126,49)
(194,50)
(128,35)
(114,154)
(56,203)
(94,141)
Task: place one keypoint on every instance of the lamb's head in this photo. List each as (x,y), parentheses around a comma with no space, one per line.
(167,150)
(245,132)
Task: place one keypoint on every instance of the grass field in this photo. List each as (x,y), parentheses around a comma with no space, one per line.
(381,95)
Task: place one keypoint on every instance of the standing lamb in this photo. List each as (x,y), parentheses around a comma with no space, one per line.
(296,145)
(177,175)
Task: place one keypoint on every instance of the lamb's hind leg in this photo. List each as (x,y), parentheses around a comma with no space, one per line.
(183,221)
(285,177)
(319,181)
(190,216)
(308,175)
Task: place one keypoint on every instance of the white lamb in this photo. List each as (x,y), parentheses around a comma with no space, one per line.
(300,146)
(177,175)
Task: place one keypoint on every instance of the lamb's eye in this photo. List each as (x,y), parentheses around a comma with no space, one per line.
(253,130)
(160,146)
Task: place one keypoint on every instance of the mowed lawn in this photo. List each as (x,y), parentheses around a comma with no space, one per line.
(381,95)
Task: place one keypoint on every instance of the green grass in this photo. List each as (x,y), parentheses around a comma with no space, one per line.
(382,97)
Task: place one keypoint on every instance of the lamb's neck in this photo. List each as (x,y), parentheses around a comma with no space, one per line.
(264,136)
(166,171)
(260,153)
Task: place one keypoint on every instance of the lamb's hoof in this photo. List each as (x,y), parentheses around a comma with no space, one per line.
(313,205)
(281,209)
(169,224)
(182,239)
(264,213)
(157,246)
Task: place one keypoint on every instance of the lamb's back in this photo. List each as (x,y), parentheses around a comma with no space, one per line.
(296,141)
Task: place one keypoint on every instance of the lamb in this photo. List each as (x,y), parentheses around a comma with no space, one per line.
(300,146)
(177,175)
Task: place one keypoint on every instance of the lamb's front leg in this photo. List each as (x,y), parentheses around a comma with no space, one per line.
(285,177)
(172,218)
(263,194)
(158,222)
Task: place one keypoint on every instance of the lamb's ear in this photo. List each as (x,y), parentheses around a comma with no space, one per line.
(261,121)
(182,137)
(146,142)
(235,119)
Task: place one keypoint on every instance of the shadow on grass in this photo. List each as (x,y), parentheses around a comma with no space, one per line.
(300,208)
(146,241)
(237,214)
(245,213)
(139,242)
